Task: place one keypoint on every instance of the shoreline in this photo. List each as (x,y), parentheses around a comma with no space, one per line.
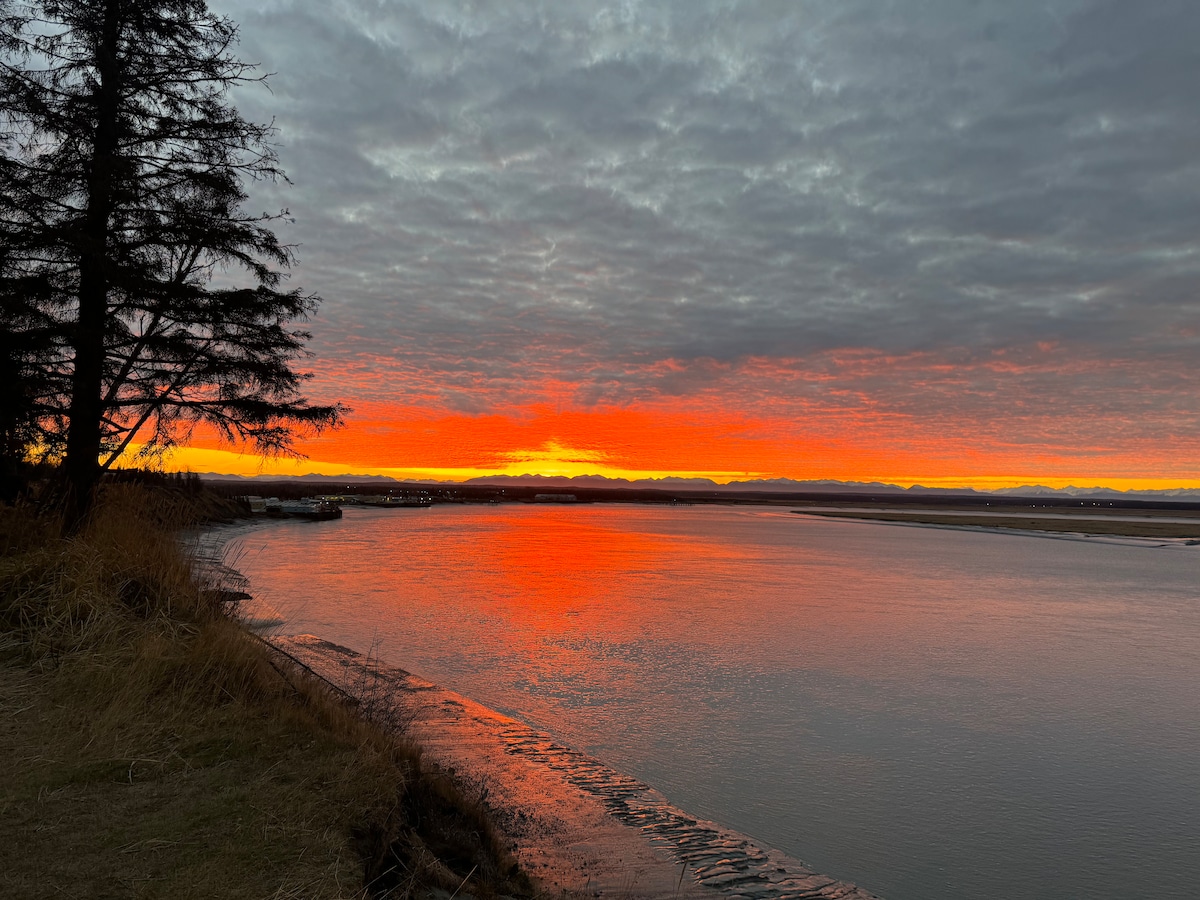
(769,523)
(156,747)
(577,825)
(574,823)
(1083,525)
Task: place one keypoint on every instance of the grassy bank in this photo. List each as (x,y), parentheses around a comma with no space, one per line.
(152,748)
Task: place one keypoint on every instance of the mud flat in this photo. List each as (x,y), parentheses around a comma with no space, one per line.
(575,823)
(1077,523)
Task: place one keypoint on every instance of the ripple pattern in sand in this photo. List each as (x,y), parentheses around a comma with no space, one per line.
(716,857)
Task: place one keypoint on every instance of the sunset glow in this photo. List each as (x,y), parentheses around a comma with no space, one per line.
(739,243)
(641,445)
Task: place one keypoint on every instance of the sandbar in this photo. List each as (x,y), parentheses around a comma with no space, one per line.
(1077,523)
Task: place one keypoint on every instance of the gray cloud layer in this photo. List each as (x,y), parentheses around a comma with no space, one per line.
(580,191)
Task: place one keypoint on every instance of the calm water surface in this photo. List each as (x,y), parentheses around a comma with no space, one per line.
(935,714)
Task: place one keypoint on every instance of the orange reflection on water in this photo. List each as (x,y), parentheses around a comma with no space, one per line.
(552,563)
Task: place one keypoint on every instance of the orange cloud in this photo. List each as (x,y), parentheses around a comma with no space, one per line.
(723,446)
(948,419)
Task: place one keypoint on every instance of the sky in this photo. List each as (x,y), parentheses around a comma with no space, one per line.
(915,241)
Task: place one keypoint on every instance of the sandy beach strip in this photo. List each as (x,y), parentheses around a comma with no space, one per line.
(575,824)
(1064,524)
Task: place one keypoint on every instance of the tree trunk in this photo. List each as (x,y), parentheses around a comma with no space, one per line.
(81,465)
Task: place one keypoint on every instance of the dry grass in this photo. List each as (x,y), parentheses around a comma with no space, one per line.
(151,748)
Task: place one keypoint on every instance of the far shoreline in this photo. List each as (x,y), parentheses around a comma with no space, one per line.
(1136,517)
(574,491)
(1083,522)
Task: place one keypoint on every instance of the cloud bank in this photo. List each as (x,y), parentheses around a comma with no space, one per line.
(925,211)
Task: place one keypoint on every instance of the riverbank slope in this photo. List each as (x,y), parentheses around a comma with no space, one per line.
(152,748)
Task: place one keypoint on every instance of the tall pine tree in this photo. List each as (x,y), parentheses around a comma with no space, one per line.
(121,193)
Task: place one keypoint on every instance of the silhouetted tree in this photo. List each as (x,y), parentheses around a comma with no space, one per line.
(24,354)
(122,186)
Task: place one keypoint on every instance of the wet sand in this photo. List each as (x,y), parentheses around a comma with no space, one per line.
(1075,523)
(576,825)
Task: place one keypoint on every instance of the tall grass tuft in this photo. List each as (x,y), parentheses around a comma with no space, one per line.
(159,750)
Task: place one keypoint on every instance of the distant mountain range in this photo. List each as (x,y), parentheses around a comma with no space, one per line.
(764,485)
(692,484)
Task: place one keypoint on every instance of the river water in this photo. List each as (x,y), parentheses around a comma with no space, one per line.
(935,714)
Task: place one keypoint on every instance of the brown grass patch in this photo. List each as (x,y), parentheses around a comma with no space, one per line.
(152,748)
